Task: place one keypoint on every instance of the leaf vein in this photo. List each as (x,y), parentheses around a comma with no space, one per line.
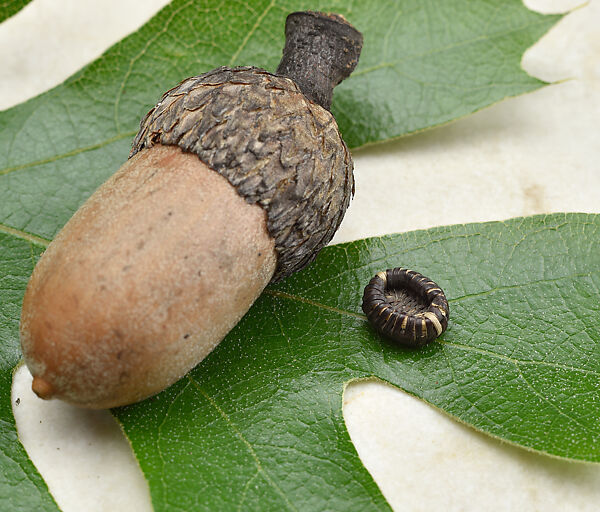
(521,285)
(34,239)
(442,49)
(159,436)
(285,295)
(515,361)
(140,54)
(240,436)
(73,152)
(547,400)
(251,32)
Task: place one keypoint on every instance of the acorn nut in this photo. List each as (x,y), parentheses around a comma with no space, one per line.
(237,178)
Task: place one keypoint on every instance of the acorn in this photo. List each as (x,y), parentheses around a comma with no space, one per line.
(237,178)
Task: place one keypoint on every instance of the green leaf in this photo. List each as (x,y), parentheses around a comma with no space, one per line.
(21,487)
(9,8)
(423,64)
(258,424)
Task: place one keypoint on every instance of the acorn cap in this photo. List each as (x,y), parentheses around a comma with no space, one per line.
(277,147)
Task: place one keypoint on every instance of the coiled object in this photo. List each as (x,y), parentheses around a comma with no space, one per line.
(406,306)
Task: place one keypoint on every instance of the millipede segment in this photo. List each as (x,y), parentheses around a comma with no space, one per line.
(406,306)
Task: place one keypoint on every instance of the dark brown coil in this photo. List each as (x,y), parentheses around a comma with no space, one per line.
(406,306)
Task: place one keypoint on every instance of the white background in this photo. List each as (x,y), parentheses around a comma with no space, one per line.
(537,153)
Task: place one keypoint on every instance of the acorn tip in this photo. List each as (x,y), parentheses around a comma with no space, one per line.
(42,388)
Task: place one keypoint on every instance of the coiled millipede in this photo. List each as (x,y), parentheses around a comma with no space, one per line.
(406,306)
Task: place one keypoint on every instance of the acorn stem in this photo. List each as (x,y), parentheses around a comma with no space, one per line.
(320,51)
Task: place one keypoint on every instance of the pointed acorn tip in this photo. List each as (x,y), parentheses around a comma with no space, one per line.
(42,388)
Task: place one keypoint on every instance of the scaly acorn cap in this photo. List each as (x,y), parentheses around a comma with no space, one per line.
(271,140)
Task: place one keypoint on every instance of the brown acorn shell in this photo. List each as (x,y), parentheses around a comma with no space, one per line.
(143,282)
(276,147)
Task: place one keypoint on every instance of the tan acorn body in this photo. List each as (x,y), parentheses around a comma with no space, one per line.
(141,284)
(237,177)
